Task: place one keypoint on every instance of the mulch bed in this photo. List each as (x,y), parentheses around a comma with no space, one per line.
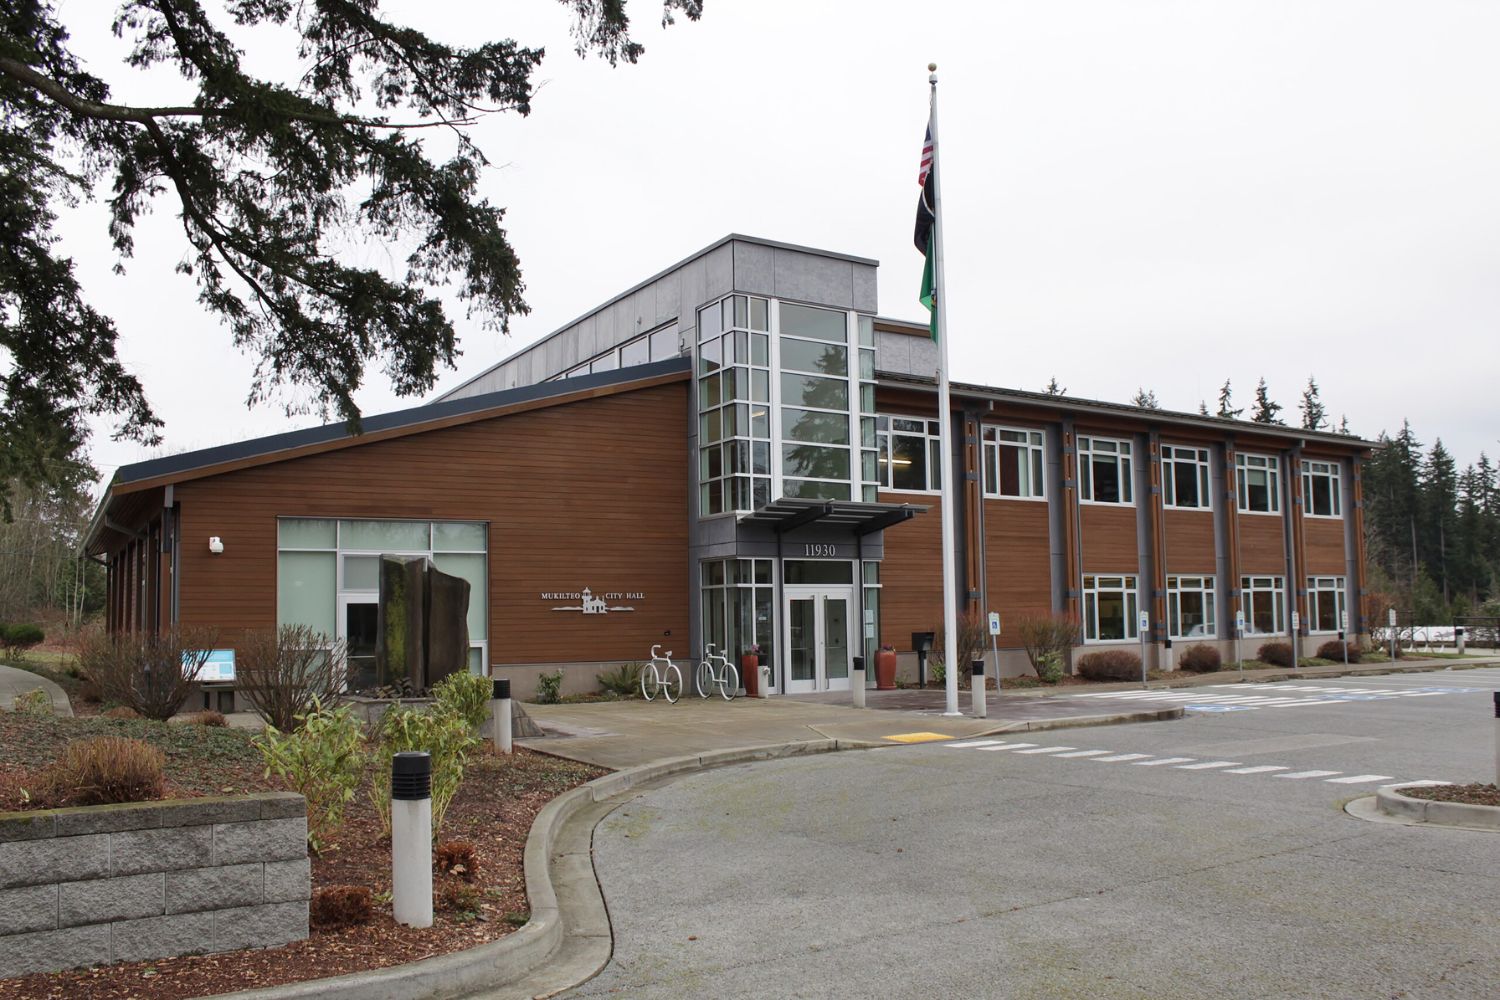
(1476,794)
(493,810)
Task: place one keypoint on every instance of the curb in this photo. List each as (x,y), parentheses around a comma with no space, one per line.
(1082,721)
(1405,809)
(495,965)
(1231,676)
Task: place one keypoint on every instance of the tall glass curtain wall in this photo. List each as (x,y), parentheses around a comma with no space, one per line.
(327,578)
(739,603)
(783,374)
(738,608)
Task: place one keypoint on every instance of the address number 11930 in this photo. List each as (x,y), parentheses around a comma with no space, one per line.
(815,549)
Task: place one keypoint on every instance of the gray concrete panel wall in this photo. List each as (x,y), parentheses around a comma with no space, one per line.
(97,884)
(893,352)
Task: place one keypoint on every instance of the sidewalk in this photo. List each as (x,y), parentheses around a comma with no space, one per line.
(14,681)
(628,733)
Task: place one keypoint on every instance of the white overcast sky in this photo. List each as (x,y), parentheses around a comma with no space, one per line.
(1143,193)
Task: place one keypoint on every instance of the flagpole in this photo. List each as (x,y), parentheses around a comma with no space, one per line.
(945,415)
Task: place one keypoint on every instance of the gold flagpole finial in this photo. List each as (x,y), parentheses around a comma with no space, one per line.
(932,72)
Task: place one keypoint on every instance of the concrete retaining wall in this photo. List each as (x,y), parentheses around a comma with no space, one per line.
(143,880)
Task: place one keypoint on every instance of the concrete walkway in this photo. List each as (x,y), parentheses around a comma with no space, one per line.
(14,681)
(627,733)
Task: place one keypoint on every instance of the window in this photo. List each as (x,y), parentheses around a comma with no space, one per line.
(328,577)
(816,450)
(1184,474)
(1013,463)
(1104,470)
(1259,483)
(909,453)
(734,404)
(1260,596)
(1109,608)
(1325,603)
(738,598)
(1190,607)
(1320,489)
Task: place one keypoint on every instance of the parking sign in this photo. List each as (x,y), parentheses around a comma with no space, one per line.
(994,623)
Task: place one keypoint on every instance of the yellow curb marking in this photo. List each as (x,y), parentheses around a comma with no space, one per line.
(917,737)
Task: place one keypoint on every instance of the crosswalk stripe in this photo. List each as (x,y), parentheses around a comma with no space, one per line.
(1208,764)
(973,743)
(1360,779)
(1258,769)
(1124,756)
(1085,753)
(1305,774)
(1045,750)
(1162,760)
(1007,746)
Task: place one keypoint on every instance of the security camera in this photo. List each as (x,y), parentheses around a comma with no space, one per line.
(216,545)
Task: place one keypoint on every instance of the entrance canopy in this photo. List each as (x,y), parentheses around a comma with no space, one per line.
(857,518)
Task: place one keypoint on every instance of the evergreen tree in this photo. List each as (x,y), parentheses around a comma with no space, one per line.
(1314,416)
(273,180)
(1226,403)
(1344,426)
(1203,408)
(1265,409)
(1054,389)
(1145,399)
(1437,512)
(1390,488)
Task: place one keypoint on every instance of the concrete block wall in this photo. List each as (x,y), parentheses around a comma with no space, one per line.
(142,880)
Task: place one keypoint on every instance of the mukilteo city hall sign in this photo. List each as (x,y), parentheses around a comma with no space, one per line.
(588,603)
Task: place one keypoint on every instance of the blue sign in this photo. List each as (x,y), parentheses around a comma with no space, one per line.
(217,669)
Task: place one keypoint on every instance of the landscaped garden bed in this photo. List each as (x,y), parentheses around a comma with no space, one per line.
(1476,794)
(481,898)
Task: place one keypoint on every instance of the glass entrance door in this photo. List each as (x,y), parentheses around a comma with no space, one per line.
(819,635)
(358,627)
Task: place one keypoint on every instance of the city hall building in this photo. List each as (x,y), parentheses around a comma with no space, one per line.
(740,450)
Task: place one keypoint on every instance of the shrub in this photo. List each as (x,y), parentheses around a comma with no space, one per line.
(34,702)
(1046,635)
(973,635)
(210,718)
(1334,650)
(23,789)
(1202,658)
(441,732)
(1277,654)
(1110,665)
(152,673)
(624,680)
(17,639)
(1049,667)
(283,672)
(323,759)
(107,769)
(466,694)
(457,858)
(459,898)
(336,906)
(122,712)
(549,688)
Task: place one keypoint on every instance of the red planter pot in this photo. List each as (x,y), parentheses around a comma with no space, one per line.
(750,674)
(885,670)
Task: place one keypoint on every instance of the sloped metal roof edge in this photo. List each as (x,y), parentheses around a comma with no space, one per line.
(289,440)
(1104,406)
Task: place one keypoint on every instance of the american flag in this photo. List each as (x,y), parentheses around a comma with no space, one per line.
(926,167)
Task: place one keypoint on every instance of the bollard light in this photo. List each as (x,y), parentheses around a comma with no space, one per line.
(500,710)
(981,706)
(857,682)
(411,838)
